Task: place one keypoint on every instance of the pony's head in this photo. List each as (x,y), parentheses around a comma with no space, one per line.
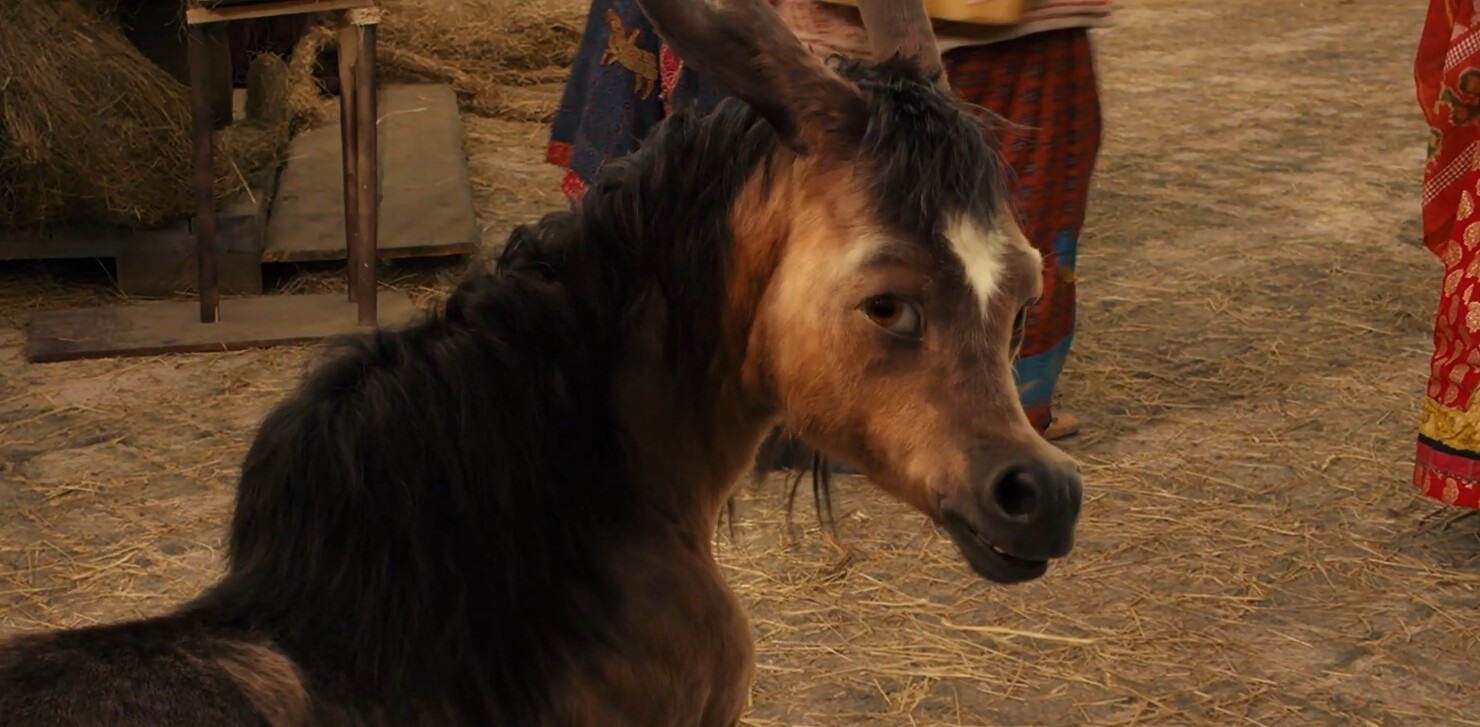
(884,278)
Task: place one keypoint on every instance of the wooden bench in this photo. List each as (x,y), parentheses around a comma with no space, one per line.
(357,115)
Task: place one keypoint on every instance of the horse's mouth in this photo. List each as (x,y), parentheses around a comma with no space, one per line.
(988,560)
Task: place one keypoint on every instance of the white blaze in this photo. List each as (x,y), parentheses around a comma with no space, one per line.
(982,252)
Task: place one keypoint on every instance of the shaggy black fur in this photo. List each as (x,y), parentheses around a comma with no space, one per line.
(421,525)
(926,156)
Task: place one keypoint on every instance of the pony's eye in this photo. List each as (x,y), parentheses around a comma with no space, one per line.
(1018,325)
(895,315)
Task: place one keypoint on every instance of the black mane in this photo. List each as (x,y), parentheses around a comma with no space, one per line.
(926,157)
(428,512)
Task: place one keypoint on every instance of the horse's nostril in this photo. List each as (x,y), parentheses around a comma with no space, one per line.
(1016,493)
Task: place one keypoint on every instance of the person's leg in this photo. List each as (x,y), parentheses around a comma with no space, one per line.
(611,100)
(1447,76)
(1045,82)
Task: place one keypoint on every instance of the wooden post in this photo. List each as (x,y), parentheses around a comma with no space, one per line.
(349,48)
(204,176)
(367,175)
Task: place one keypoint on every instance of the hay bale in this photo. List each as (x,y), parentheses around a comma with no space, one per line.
(268,90)
(90,130)
(260,141)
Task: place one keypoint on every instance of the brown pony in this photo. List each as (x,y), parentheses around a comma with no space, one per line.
(503,515)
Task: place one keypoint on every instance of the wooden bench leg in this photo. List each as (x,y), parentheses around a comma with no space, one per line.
(367,175)
(349,48)
(204,175)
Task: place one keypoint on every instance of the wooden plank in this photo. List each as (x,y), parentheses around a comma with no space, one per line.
(240,228)
(273,8)
(64,242)
(151,329)
(167,275)
(426,190)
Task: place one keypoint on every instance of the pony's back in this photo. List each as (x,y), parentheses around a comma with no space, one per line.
(421,512)
(158,672)
(428,513)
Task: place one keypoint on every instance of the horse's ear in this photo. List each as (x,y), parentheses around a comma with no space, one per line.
(744,46)
(901,27)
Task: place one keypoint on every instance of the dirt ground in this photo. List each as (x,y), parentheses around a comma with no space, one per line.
(1249,363)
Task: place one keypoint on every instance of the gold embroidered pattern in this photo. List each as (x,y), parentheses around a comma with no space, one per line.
(622,48)
(1460,371)
(1454,427)
(1451,281)
(1472,232)
(1451,253)
(1466,205)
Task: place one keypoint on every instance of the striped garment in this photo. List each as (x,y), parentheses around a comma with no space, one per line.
(1044,83)
(836,28)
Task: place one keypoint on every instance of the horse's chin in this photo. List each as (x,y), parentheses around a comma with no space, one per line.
(989,561)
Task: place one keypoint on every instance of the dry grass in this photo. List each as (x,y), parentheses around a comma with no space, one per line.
(498,40)
(1250,358)
(484,49)
(91,130)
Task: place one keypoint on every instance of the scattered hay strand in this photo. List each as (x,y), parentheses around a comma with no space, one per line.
(475,95)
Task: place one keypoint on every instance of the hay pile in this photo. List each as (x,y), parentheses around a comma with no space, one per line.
(481,47)
(90,130)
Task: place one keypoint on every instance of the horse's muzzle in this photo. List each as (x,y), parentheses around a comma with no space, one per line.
(1019,512)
